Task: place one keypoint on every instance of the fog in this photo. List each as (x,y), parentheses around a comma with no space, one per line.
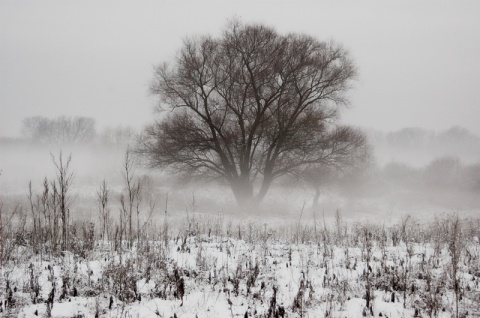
(413,171)
(417,61)
(416,98)
(318,158)
(417,147)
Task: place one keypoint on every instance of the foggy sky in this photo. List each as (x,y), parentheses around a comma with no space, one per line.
(418,60)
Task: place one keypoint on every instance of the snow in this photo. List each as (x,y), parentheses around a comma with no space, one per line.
(312,275)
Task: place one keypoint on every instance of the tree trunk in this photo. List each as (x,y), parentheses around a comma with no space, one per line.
(263,191)
(243,192)
(317,196)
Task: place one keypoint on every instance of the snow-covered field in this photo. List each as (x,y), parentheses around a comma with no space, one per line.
(203,266)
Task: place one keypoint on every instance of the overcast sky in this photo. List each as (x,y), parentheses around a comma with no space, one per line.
(418,61)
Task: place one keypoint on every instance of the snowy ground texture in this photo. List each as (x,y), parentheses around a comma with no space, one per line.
(206,269)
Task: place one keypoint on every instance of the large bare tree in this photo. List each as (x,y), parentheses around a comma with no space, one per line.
(249,107)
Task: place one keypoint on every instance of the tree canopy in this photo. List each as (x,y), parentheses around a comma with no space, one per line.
(251,106)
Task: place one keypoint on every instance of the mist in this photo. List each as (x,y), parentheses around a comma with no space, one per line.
(412,171)
(247,159)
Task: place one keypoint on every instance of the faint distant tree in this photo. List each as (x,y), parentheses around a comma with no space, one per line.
(470,177)
(34,128)
(249,107)
(443,172)
(62,130)
(459,141)
(77,129)
(400,173)
(409,138)
(356,154)
(318,177)
(457,135)
(119,136)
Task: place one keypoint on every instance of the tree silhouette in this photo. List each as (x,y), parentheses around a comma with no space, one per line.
(249,107)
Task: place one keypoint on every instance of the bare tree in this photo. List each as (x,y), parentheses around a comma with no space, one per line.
(82,129)
(34,127)
(355,153)
(54,205)
(65,179)
(6,234)
(456,246)
(117,136)
(318,177)
(250,107)
(132,196)
(102,196)
(59,130)
(443,172)
(35,217)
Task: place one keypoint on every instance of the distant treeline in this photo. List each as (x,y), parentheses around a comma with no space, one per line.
(412,160)
(441,173)
(72,131)
(419,146)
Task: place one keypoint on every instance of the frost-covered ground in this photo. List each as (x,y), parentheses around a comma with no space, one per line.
(205,267)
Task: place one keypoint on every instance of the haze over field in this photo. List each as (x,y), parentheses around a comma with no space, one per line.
(416,95)
(239,158)
(417,61)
